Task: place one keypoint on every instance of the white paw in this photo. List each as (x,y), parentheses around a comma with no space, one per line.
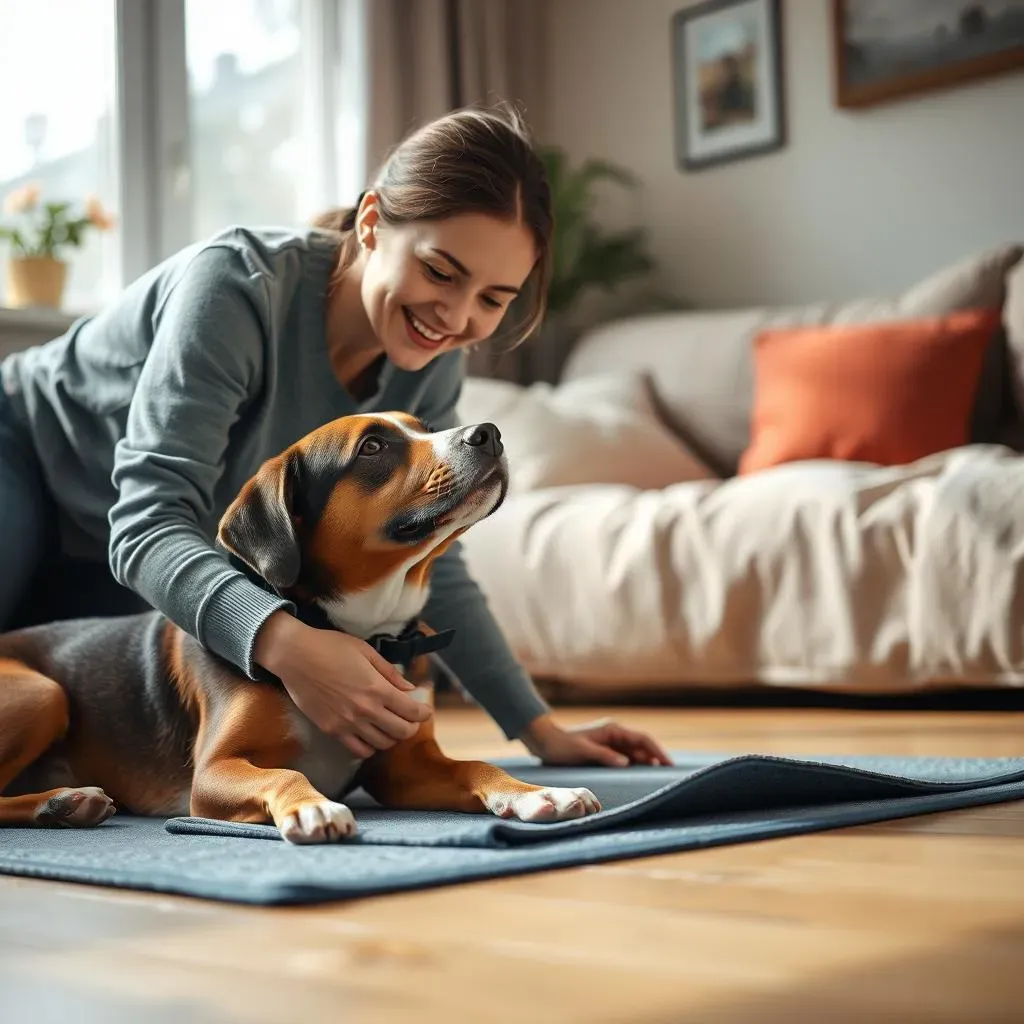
(80,807)
(547,805)
(324,822)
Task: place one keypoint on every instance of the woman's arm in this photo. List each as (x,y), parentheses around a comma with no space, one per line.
(481,658)
(479,654)
(206,359)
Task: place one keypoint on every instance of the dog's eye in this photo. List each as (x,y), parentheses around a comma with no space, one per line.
(415,530)
(372,446)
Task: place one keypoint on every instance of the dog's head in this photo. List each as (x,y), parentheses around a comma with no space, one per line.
(354,513)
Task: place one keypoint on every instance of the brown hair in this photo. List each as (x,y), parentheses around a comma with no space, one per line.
(468,161)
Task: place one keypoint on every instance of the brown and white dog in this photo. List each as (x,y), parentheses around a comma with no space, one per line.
(133,712)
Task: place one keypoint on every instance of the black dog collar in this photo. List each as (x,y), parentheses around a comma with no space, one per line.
(409,644)
(399,650)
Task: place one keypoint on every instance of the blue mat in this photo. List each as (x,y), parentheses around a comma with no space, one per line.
(704,800)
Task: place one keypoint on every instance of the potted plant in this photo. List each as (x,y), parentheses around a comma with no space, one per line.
(585,256)
(38,232)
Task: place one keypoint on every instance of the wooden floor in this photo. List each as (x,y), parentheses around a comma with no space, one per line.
(915,920)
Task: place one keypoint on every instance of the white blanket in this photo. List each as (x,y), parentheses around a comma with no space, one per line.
(819,574)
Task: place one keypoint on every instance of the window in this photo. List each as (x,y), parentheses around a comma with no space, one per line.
(246,112)
(58,122)
(182,116)
(266,106)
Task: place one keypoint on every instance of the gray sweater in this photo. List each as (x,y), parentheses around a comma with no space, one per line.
(149,417)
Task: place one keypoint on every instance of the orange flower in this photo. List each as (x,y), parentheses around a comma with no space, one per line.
(21,200)
(101,218)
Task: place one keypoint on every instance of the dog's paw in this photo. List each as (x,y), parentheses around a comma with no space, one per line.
(75,808)
(321,822)
(547,805)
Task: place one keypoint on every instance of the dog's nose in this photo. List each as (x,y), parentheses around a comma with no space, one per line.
(485,436)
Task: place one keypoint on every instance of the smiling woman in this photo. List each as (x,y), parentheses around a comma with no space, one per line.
(418,293)
(456,226)
(123,441)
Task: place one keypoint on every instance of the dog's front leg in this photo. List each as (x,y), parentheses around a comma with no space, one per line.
(416,774)
(245,739)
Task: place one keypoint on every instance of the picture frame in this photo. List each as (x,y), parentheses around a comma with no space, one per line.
(883,53)
(727,77)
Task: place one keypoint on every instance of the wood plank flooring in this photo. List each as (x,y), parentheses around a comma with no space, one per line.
(915,920)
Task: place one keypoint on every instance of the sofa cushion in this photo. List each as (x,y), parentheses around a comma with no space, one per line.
(702,364)
(887,393)
(600,429)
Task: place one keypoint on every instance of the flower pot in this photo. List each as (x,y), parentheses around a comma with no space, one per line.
(35,281)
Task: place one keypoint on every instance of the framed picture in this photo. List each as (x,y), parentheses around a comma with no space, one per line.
(883,51)
(727,81)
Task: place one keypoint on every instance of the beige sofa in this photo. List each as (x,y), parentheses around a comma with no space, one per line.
(629,556)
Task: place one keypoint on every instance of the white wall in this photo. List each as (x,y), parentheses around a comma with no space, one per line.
(856,203)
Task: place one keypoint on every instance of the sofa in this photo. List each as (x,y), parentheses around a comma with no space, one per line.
(643,547)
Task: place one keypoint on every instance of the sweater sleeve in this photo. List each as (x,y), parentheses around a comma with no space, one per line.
(479,653)
(205,360)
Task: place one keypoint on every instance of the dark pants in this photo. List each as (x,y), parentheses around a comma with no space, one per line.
(38,582)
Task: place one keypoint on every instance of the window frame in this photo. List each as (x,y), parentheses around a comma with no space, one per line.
(154,206)
(154,111)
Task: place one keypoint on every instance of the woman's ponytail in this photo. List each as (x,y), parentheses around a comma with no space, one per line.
(339,218)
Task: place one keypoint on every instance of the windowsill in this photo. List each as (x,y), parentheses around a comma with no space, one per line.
(36,319)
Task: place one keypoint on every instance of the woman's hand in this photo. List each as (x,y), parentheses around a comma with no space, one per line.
(604,742)
(340,683)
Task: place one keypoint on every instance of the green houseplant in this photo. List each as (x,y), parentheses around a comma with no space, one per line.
(38,233)
(585,258)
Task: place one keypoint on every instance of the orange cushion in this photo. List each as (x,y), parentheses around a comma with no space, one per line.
(886,393)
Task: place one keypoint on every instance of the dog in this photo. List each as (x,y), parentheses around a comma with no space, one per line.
(134,713)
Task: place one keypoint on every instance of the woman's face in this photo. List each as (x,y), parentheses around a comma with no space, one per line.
(431,286)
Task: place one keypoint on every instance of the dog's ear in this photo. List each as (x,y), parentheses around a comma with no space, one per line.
(259,525)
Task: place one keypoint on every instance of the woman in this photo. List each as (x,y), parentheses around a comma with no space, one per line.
(122,442)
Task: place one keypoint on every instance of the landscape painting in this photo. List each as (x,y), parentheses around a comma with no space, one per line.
(726,57)
(884,50)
